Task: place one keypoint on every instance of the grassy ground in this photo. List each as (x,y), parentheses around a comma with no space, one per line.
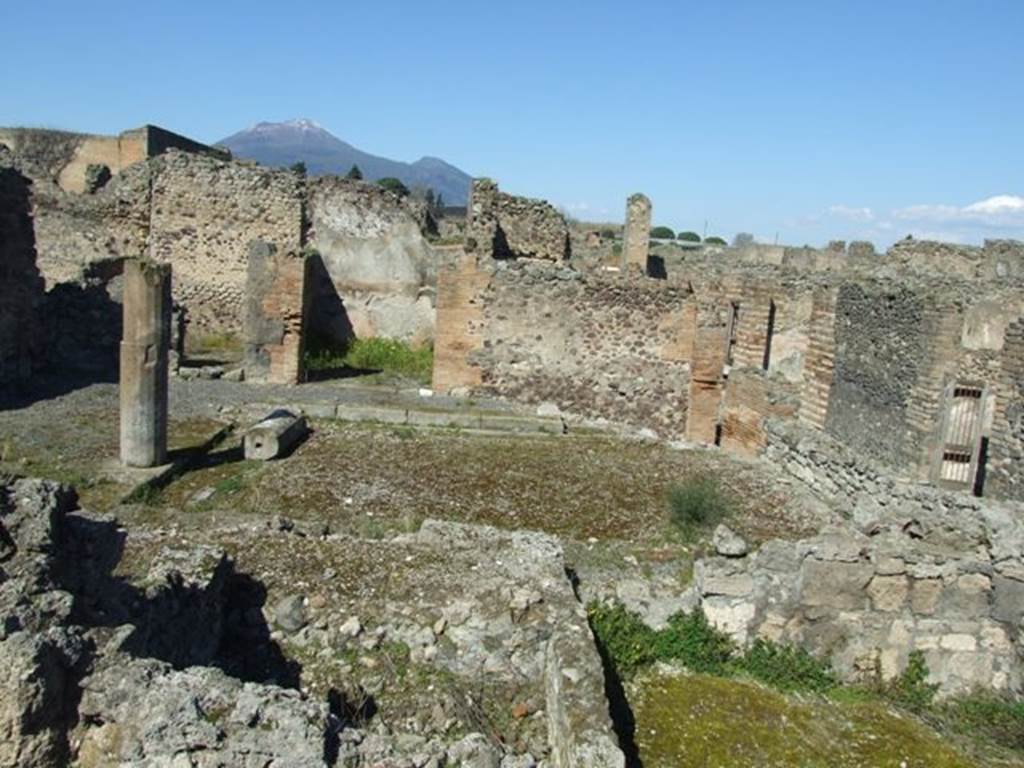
(708,722)
(380,358)
(375,480)
(81,449)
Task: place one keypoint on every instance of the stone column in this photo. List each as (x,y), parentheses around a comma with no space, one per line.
(636,236)
(144,347)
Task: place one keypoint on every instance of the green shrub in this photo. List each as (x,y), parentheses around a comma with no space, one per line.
(988,714)
(394,185)
(697,502)
(912,689)
(786,667)
(626,641)
(663,233)
(690,639)
(690,237)
(354,173)
(714,240)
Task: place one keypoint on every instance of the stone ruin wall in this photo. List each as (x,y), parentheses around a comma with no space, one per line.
(503,226)
(200,213)
(21,287)
(204,212)
(1006,454)
(915,568)
(377,272)
(591,342)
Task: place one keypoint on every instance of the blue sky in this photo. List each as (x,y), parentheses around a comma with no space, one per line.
(812,120)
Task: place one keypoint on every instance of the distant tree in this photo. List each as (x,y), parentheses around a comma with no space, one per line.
(743,238)
(392,184)
(690,237)
(430,200)
(714,240)
(663,233)
(439,202)
(607,234)
(299,168)
(354,173)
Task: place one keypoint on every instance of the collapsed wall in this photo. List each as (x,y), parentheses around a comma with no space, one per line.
(21,287)
(503,226)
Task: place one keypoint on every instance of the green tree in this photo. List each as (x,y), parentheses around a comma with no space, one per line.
(354,173)
(714,240)
(663,233)
(690,237)
(299,168)
(392,184)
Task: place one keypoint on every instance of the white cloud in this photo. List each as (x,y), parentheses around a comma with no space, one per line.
(851,212)
(995,211)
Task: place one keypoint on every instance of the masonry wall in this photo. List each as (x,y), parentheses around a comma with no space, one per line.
(1006,456)
(204,214)
(503,226)
(21,287)
(378,271)
(881,348)
(594,343)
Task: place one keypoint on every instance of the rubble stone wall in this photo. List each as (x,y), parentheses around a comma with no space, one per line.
(881,347)
(504,226)
(21,287)
(204,214)
(595,343)
(915,568)
(1006,454)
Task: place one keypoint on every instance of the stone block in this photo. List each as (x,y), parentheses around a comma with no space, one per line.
(924,595)
(835,585)
(888,593)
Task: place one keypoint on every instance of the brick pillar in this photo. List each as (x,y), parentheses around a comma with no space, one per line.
(144,348)
(819,363)
(276,299)
(636,236)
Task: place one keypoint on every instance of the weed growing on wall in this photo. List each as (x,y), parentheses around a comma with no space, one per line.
(689,639)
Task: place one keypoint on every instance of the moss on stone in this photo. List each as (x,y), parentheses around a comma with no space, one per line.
(709,722)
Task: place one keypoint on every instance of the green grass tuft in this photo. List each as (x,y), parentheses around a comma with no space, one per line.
(698,502)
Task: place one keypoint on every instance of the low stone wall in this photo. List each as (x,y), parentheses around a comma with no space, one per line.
(504,226)
(948,582)
(21,287)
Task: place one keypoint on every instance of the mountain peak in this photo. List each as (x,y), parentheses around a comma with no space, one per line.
(303,140)
(298,124)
